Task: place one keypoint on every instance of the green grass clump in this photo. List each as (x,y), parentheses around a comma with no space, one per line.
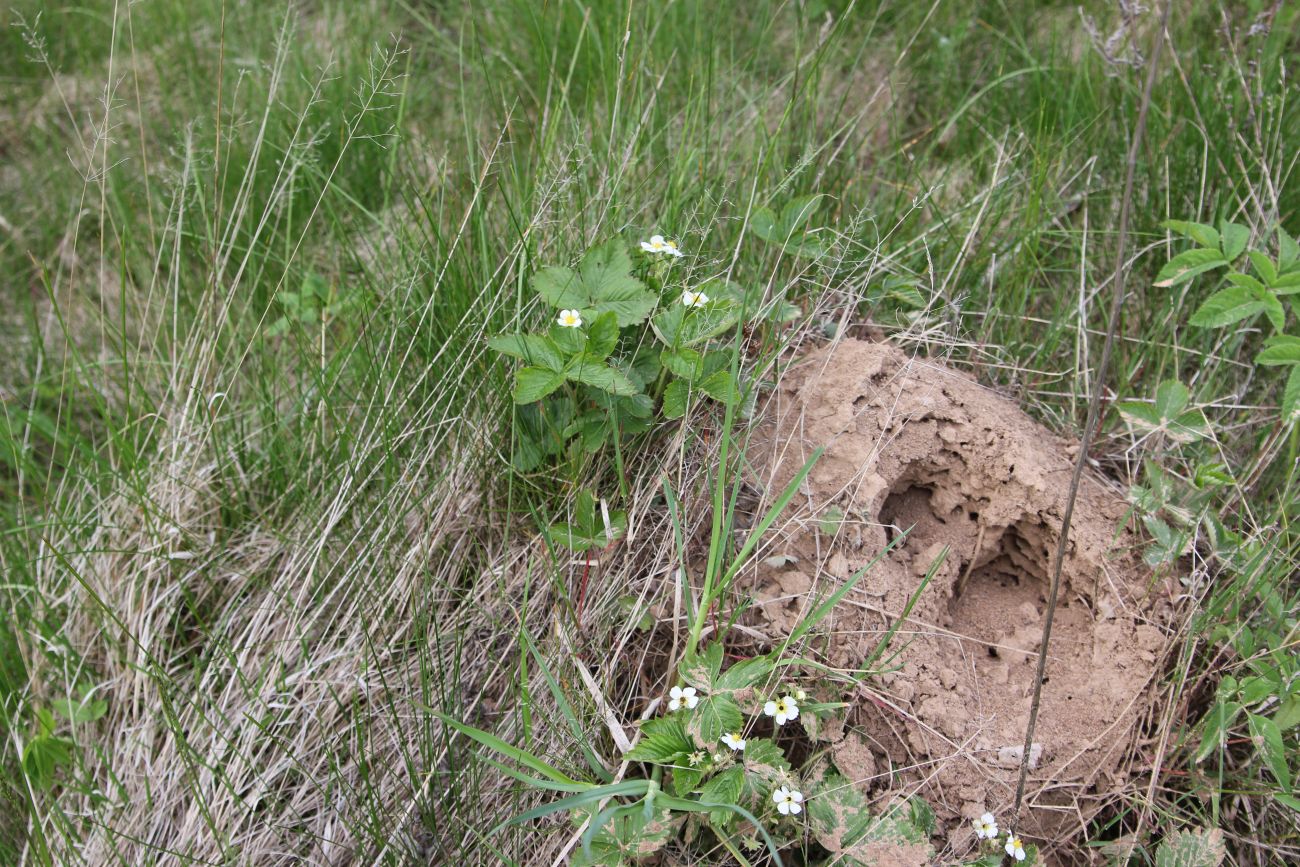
(259,487)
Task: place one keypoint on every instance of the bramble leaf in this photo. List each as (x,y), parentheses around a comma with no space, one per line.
(534,383)
(663,740)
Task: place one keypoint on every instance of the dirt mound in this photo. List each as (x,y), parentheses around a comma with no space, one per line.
(911,443)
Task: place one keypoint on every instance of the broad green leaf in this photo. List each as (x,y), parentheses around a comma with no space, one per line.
(1185,266)
(1273,310)
(1236,278)
(602,283)
(724,788)
(569,341)
(675,398)
(713,717)
(1288,252)
(1291,397)
(533,349)
(1228,306)
(788,231)
(1202,234)
(1280,349)
(82,710)
(1167,413)
(686,363)
(602,336)
(747,672)
(1196,848)
(43,756)
(1268,740)
(1233,239)
(1171,398)
(685,779)
(534,383)
(720,386)
(625,834)
(765,764)
(680,326)
(592,370)
(1287,714)
(663,740)
(701,669)
(1264,267)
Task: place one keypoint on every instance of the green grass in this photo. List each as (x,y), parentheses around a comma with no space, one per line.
(344,483)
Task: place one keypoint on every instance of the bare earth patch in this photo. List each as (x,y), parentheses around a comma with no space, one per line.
(912,443)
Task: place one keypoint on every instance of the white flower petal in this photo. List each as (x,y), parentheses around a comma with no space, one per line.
(657,240)
(769,709)
(794,807)
(797,796)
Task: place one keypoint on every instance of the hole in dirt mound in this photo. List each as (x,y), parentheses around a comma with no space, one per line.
(916,450)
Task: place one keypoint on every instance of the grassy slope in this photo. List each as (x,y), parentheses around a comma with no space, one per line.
(419,181)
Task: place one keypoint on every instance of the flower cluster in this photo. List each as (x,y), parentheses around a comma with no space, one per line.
(986,828)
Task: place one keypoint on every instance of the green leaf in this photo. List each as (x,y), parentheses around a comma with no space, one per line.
(724,788)
(603,282)
(1287,284)
(788,231)
(1263,266)
(765,763)
(747,672)
(701,669)
(714,716)
(592,370)
(1228,306)
(685,779)
(1167,414)
(1280,349)
(1273,310)
(1202,234)
(837,813)
(569,341)
(686,363)
(1233,239)
(602,336)
(1288,252)
(1268,740)
(675,398)
(533,349)
(680,326)
(663,741)
(1216,725)
(43,756)
(83,710)
(1197,848)
(1291,397)
(534,383)
(1185,266)
(721,386)
(1287,714)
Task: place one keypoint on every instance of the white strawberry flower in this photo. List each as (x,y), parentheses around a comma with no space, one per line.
(784,709)
(679,697)
(570,319)
(788,803)
(694,299)
(986,827)
(800,695)
(1014,847)
(734,740)
(659,244)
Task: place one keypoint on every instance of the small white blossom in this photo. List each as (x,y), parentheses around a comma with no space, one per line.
(734,740)
(1014,847)
(570,319)
(695,758)
(986,827)
(788,803)
(784,709)
(659,244)
(679,697)
(800,695)
(694,299)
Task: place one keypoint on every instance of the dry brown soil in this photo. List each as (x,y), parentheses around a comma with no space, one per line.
(913,443)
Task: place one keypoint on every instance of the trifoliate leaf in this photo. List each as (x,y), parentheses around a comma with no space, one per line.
(603,282)
(534,383)
(533,349)
(1185,266)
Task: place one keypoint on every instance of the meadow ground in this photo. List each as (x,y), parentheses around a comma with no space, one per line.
(273,529)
